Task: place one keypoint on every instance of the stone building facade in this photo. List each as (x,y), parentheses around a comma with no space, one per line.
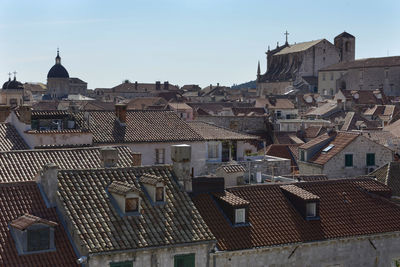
(296,66)
(362,74)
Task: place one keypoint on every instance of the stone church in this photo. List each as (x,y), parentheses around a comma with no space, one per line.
(60,85)
(293,67)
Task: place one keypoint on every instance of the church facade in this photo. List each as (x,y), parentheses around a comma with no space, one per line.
(296,66)
(60,85)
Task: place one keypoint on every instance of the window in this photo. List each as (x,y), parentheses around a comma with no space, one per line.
(326,149)
(240,215)
(323,76)
(39,239)
(311,209)
(213,150)
(159,193)
(348,160)
(121,264)
(302,155)
(186,260)
(331,76)
(278,113)
(370,159)
(386,74)
(160,156)
(131,204)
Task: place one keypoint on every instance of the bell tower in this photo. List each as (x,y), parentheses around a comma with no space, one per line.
(346,44)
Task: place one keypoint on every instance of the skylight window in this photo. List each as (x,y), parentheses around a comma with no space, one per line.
(326,149)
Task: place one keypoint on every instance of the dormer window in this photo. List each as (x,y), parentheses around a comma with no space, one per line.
(132,204)
(154,186)
(305,202)
(33,234)
(235,208)
(240,215)
(311,209)
(125,197)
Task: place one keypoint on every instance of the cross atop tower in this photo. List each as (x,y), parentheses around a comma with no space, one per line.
(15,74)
(9,76)
(286,33)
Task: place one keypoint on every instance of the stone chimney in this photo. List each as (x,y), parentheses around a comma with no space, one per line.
(158,85)
(49,182)
(136,85)
(25,114)
(181,156)
(136,159)
(120,112)
(4,112)
(108,157)
(166,85)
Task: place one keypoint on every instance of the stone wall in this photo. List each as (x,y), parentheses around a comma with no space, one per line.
(368,251)
(237,123)
(272,88)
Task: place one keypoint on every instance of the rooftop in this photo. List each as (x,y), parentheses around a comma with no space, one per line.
(346,209)
(212,132)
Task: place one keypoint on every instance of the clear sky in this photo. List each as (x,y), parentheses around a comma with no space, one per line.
(180,41)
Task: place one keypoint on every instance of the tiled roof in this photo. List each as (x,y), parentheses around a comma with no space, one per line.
(233,167)
(17,199)
(176,222)
(308,177)
(274,103)
(150,179)
(301,193)
(313,131)
(121,188)
(282,151)
(141,126)
(231,199)
(317,140)
(24,165)
(273,220)
(145,102)
(324,109)
(341,141)
(365,63)
(294,48)
(27,220)
(212,132)
(389,174)
(10,138)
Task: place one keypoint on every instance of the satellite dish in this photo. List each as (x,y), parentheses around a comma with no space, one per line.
(309,99)
(356,95)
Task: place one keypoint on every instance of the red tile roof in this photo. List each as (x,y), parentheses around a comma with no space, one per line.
(17,199)
(273,220)
(27,220)
(341,141)
(10,138)
(282,151)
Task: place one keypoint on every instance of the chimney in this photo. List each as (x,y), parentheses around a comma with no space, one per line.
(166,85)
(4,113)
(158,85)
(108,157)
(136,159)
(136,85)
(217,84)
(120,112)
(181,157)
(25,114)
(49,182)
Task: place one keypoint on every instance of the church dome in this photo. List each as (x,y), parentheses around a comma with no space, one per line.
(13,84)
(58,71)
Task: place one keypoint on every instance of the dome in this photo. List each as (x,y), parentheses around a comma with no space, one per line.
(58,71)
(13,84)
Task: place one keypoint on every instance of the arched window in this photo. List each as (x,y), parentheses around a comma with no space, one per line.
(347,46)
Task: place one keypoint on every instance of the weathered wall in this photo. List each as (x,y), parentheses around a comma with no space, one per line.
(327,82)
(374,78)
(57,86)
(272,88)
(236,123)
(155,257)
(346,252)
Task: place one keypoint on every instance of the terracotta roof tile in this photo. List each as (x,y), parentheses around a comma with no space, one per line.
(121,188)
(24,165)
(341,141)
(273,220)
(17,199)
(389,174)
(10,138)
(141,126)
(301,193)
(27,220)
(231,199)
(233,167)
(176,222)
(150,179)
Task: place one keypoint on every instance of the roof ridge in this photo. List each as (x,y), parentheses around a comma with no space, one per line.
(149,167)
(62,149)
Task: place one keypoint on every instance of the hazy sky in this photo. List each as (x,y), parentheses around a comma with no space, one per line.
(182,41)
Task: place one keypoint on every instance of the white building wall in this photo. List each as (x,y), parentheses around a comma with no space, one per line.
(155,257)
(346,252)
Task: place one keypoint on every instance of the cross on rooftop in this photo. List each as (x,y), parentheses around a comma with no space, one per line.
(15,74)
(286,33)
(9,75)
